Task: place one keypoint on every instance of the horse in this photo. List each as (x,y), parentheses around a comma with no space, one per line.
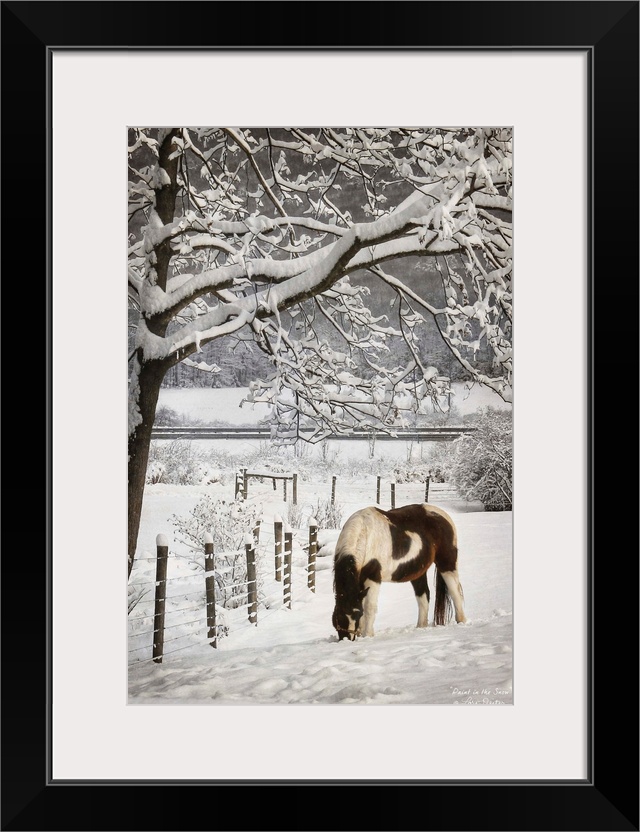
(398,545)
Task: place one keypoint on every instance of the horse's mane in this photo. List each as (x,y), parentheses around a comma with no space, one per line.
(345,581)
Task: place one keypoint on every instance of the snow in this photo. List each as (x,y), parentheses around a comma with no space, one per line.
(210,405)
(293,656)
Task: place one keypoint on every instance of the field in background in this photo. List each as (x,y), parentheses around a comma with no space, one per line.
(210,405)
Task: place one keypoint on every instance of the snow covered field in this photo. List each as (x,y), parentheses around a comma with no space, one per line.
(210,405)
(293,655)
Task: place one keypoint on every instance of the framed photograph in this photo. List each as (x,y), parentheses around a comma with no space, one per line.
(500,140)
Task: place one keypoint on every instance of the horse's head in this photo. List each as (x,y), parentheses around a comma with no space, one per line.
(349,596)
(346,616)
(347,622)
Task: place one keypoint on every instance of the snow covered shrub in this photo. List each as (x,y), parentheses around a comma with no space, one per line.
(212,476)
(181,463)
(482,463)
(411,472)
(177,463)
(328,515)
(295,515)
(438,462)
(228,522)
(167,417)
(435,464)
(155,472)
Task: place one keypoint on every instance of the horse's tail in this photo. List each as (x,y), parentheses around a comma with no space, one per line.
(443,605)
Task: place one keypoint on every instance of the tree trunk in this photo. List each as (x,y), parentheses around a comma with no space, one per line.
(149,379)
(151,373)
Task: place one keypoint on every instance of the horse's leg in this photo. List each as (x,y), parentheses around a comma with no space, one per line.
(421,589)
(452,581)
(369,607)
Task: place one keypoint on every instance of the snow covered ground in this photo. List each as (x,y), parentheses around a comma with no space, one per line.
(293,655)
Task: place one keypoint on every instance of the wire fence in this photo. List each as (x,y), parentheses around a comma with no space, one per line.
(211,608)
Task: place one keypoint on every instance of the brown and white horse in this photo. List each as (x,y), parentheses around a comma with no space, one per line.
(398,546)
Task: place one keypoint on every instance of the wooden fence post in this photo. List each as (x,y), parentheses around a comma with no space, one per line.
(245,483)
(288,554)
(256,531)
(252,586)
(378,490)
(294,489)
(313,550)
(162,548)
(426,489)
(278,535)
(393,495)
(333,490)
(284,488)
(210,587)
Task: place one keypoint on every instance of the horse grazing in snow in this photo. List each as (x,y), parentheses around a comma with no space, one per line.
(398,546)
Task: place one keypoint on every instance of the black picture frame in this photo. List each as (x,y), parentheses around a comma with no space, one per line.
(608,798)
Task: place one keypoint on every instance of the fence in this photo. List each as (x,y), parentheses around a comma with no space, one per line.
(241,486)
(244,476)
(392,491)
(201,615)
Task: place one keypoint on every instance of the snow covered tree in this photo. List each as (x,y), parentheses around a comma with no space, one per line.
(286,235)
(480,466)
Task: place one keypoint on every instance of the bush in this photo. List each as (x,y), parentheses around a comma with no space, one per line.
(228,523)
(328,515)
(439,461)
(295,514)
(167,417)
(411,472)
(176,462)
(179,462)
(481,466)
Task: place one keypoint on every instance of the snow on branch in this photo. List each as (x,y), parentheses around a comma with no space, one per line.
(361,197)
(224,319)
(135,281)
